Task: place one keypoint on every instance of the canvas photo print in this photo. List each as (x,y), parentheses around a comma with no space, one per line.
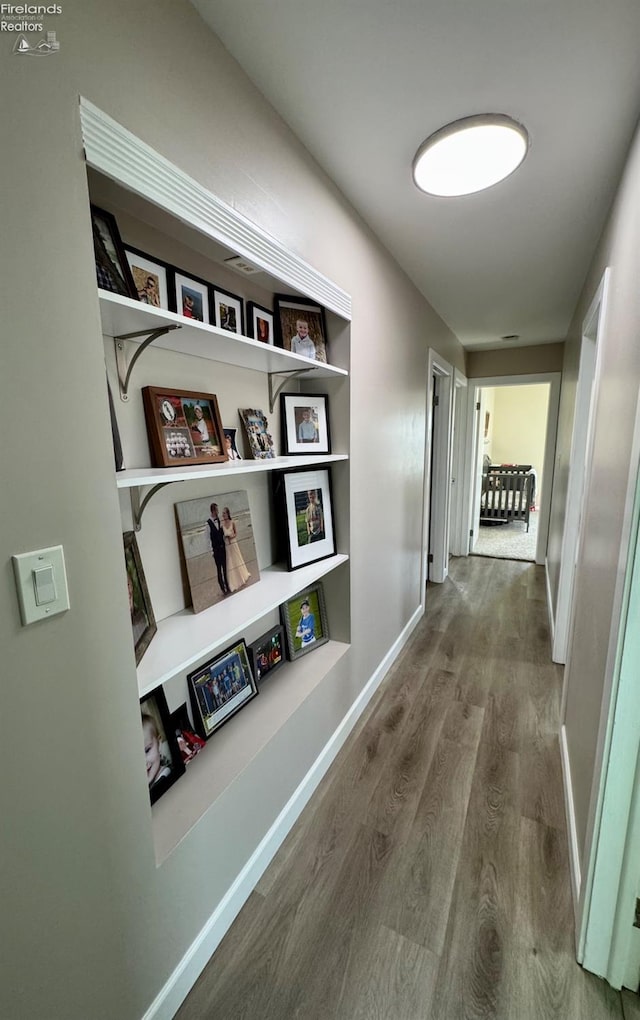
(217,542)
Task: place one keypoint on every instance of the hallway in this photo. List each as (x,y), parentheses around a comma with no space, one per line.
(428,877)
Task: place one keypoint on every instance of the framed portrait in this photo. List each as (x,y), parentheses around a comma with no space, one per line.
(189,742)
(305,511)
(190,297)
(162,756)
(151,278)
(220,688)
(305,423)
(256,428)
(183,427)
(112,268)
(143,622)
(260,323)
(227,311)
(267,653)
(216,536)
(230,445)
(300,327)
(304,618)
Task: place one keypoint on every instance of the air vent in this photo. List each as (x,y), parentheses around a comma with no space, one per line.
(241,265)
(511,336)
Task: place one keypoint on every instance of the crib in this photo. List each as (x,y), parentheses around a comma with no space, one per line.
(508,493)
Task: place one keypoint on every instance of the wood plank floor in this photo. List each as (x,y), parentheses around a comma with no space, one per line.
(428,878)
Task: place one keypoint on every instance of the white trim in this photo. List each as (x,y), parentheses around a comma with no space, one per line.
(572,831)
(440,437)
(459,533)
(549,600)
(123,157)
(177,987)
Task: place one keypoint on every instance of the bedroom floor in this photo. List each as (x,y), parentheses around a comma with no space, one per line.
(510,541)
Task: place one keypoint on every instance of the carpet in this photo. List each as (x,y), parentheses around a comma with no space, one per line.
(508,541)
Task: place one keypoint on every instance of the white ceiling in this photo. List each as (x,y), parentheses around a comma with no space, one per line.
(363,82)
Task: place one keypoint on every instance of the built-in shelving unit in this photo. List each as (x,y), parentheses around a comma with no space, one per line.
(155,476)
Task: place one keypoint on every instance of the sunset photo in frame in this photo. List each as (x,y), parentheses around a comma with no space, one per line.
(184,427)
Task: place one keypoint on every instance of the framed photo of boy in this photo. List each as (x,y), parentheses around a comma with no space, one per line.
(305,423)
(256,427)
(220,688)
(190,297)
(307,513)
(151,278)
(301,327)
(260,323)
(143,622)
(304,618)
(183,426)
(227,311)
(162,755)
(267,653)
(112,268)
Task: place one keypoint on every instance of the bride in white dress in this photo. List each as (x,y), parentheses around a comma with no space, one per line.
(237,573)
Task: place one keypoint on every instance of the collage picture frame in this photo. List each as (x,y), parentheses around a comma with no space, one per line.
(256,427)
(183,426)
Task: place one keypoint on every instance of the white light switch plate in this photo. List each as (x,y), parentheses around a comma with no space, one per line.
(41,582)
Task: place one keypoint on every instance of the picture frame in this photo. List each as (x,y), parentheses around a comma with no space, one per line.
(143,621)
(218,546)
(256,428)
(260,323)
(190,743)
(183,427)
(118,456)
(112,269)
(231,448)
(227,310)
(163,759)
(306,628)
(304,418)
(300,327)
(267,654)
(152,278)
(304,509)
(190,297)
(220,688)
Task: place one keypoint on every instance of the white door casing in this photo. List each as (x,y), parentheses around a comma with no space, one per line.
(437,482)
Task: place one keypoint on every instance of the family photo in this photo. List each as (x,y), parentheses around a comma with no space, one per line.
(221,687)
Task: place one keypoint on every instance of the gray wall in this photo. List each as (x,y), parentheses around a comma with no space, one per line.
(93,927)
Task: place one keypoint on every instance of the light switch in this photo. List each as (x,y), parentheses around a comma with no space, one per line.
(41,582)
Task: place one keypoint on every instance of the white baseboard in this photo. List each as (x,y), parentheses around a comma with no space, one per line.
(179,984)
(552,622)
(572,832)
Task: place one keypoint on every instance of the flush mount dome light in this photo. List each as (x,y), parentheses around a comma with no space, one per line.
(470,155)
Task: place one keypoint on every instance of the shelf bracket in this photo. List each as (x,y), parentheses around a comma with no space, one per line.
(137,507)
(275,390)
(125,369)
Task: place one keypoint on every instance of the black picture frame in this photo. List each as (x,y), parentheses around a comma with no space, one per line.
(152,278)
(307,629)
(112,269)
(143,621)
(190,296)
(163,760)
(231,447)
(304,421)
(220,688)
(228,310)
(190,743)
(288,311)
(304,515)
(268,653)
(260,323)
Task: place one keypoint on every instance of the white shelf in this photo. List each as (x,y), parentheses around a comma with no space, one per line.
(121,315)
(182,640)
(153,476)
(230,749)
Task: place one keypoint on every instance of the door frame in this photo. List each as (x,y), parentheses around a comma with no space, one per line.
(459,535)
(438,435)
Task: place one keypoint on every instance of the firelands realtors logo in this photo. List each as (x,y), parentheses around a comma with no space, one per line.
(26,21)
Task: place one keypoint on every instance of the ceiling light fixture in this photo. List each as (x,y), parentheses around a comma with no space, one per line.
(470,155)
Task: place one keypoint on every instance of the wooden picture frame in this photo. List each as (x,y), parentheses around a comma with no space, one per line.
(183,426)
(300,327)
(163,759)
(112,269)
(190,297)
(304,509)
(152,279)
(304,618)
(220,688)
(227,310)
(304,418)
(256,428)
(143,621)
(260,323)
(267,654)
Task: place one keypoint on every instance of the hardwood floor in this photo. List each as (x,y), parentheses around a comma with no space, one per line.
(428,878)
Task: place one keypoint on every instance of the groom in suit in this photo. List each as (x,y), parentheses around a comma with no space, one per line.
(218,548)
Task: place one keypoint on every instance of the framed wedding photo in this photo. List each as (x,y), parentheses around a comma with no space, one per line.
(303,500)
(260,323)
(300,327)
(220,688)
(304,618)
(256,427)
(305,423)
(151,278)
(190,297)
(267,653)
(112,268)
(184,427)
(227,311)
(162,755)
(143,622)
